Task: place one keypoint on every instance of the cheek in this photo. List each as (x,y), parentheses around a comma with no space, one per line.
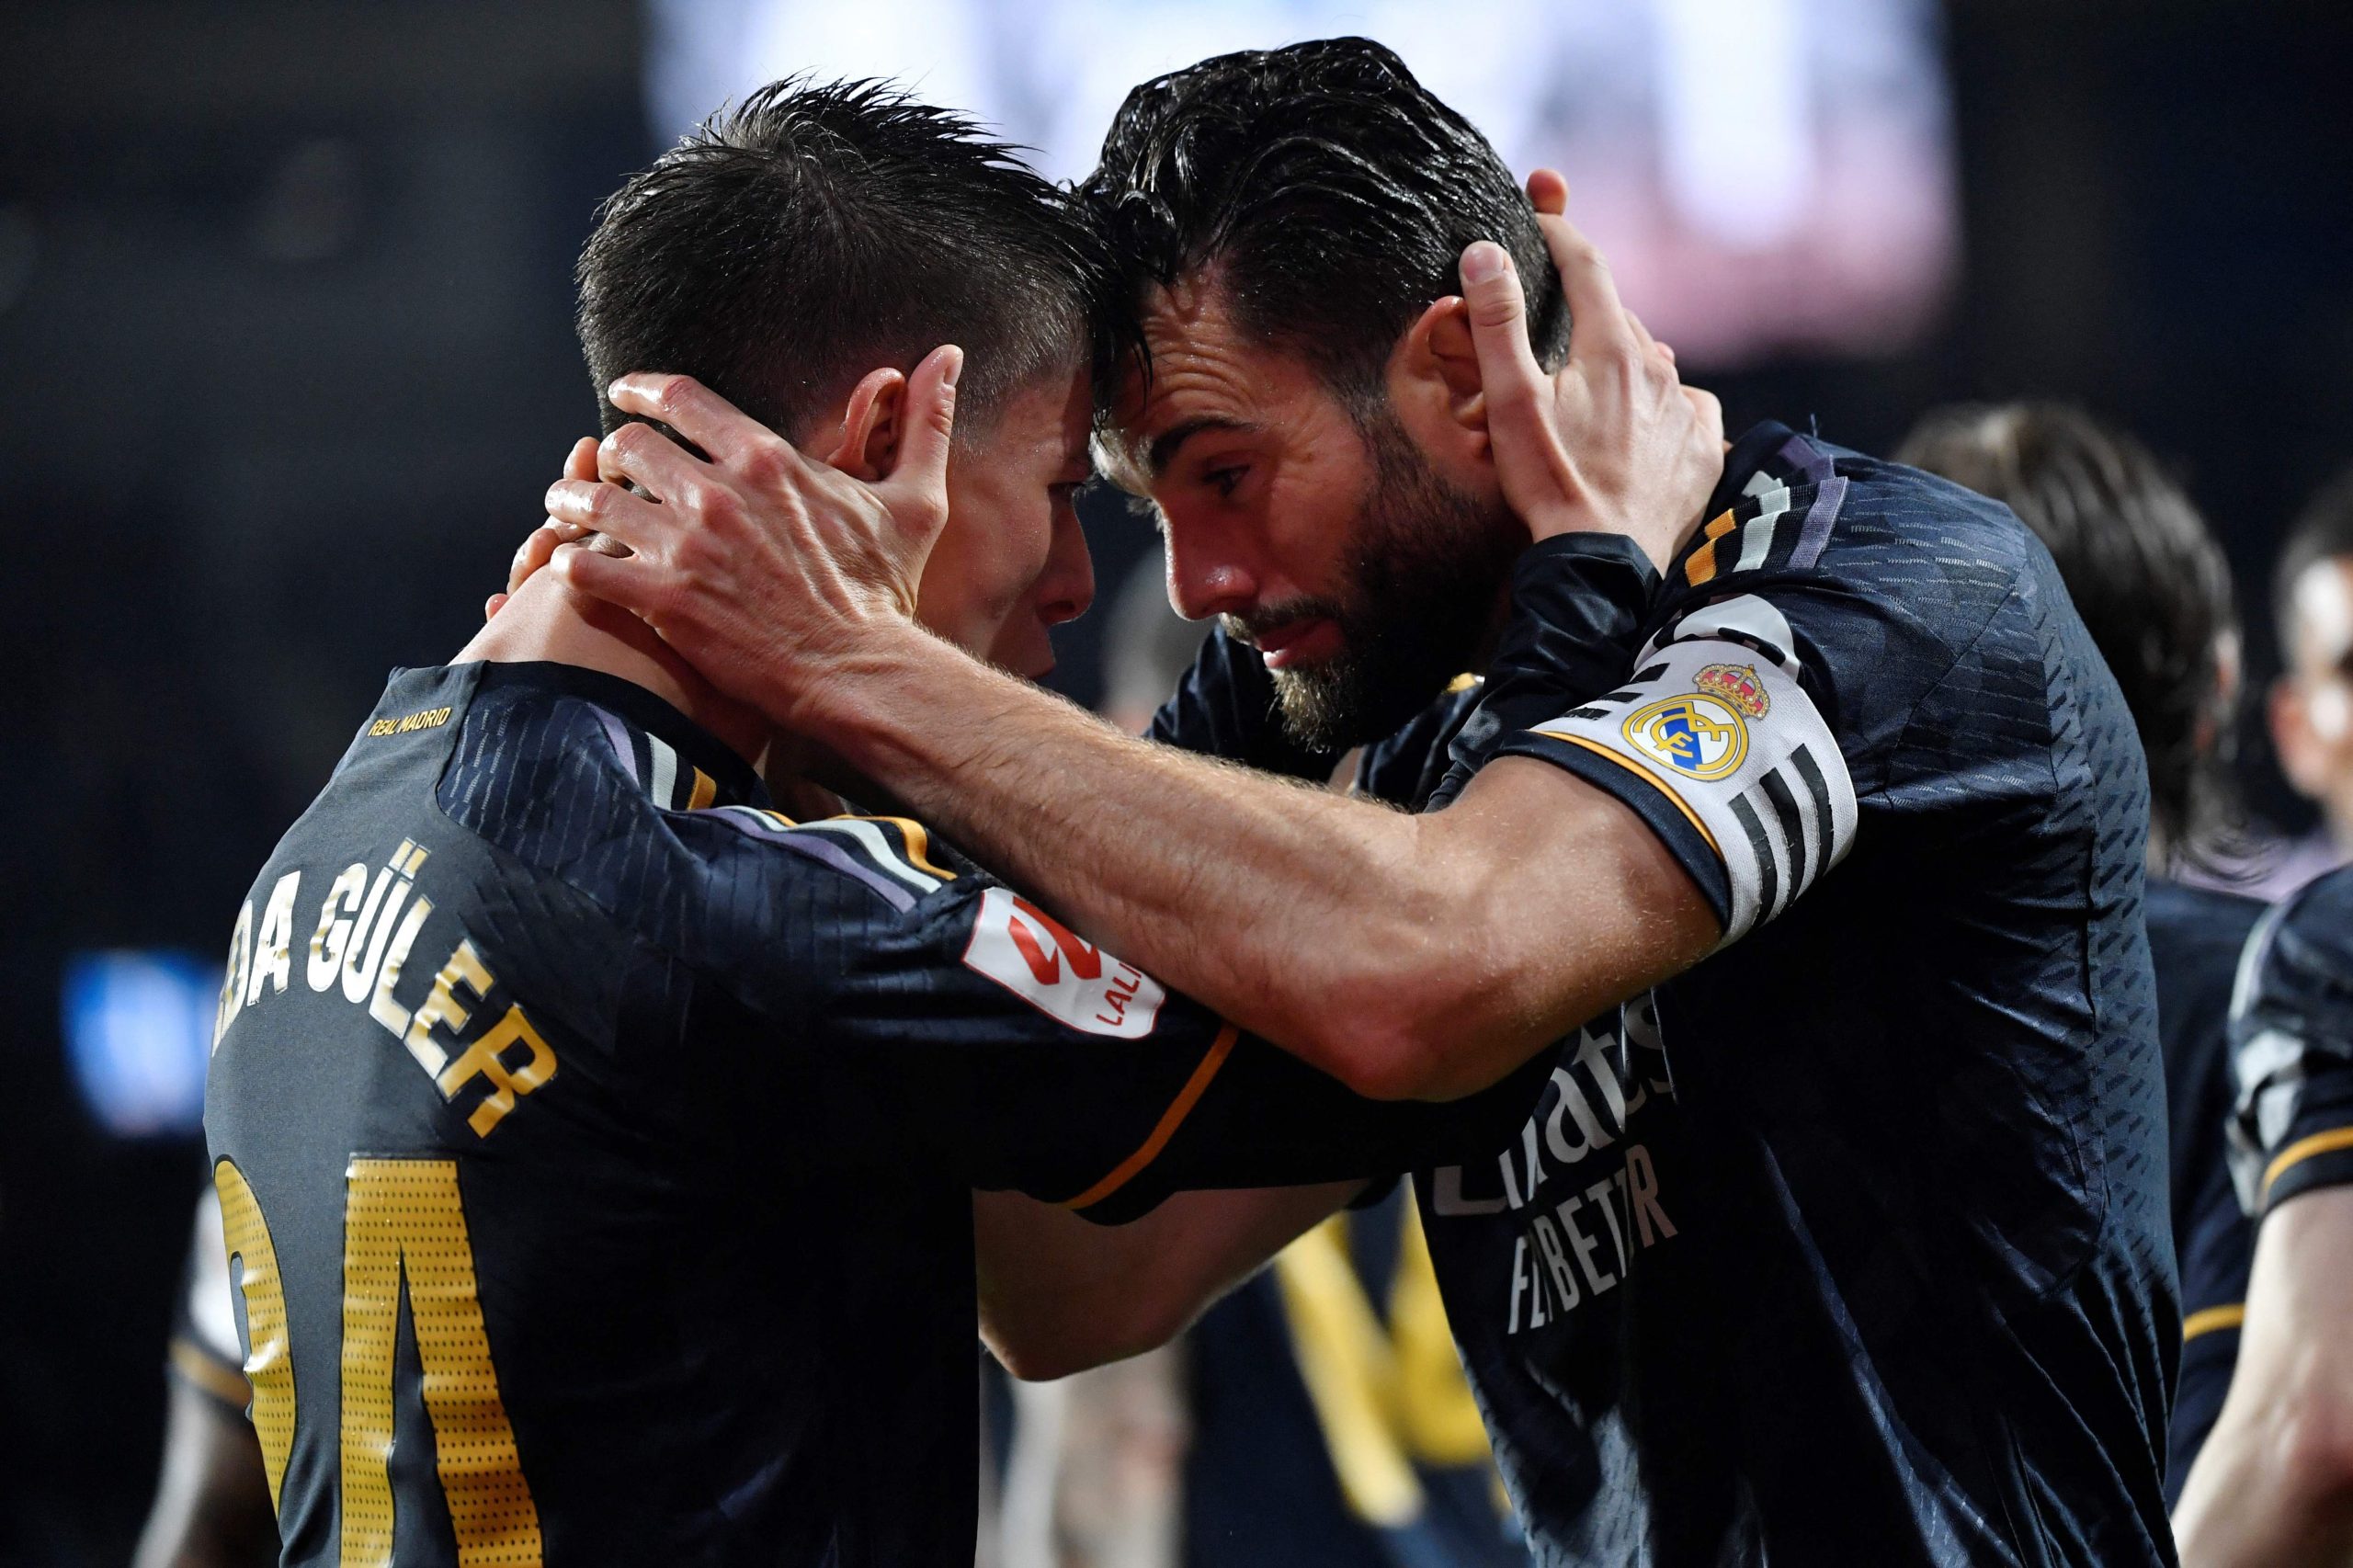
(2329,710)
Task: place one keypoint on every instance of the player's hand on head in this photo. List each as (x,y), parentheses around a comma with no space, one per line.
(539,546)
(1611,442)
(761,565)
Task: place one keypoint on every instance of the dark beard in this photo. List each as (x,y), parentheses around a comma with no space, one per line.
(1417,607)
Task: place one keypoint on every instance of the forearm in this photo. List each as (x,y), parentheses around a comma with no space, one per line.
(2274,1483)
(1286,907)
(1059,1295)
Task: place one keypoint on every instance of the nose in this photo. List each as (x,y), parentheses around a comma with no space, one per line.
(1066,587)
(1206,577)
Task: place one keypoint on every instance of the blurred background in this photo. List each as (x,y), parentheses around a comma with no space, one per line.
(285,321)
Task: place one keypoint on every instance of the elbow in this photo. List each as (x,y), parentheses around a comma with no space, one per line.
(1409,1032)
(1045,1352)
(2311,1446)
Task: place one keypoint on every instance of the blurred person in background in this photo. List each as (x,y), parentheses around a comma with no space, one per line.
(212,1503)
(2154,591)
(2273,1487)
(2312,701)
(1880,1307)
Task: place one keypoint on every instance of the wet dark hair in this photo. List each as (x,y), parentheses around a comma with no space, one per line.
(1328,191)
(2145,574)
(2324,531)
(820,231)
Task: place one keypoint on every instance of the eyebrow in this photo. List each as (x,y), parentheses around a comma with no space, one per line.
(1165,445)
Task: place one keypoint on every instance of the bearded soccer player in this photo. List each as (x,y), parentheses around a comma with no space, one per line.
(1798,831)
(2274,1484)
(594,1142)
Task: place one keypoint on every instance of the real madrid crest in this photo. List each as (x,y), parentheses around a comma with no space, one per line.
(1704,734)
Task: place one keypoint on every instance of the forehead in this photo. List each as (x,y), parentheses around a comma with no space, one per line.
(1206,370)
(1047,418)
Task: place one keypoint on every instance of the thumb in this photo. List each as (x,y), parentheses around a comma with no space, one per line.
(1515,386)
(921,472)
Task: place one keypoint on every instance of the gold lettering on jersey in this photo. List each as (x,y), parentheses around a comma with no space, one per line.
(334,930)
(409,723)
(232,977)
(407,1216)
(269,1365)
(272,962)
(367,928)
(483,1060)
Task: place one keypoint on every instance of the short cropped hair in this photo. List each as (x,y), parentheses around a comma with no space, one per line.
(2150,584)
(1329,193)
(2322,532)
(820,231)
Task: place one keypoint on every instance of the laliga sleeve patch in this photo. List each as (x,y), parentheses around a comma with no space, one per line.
(1073,981)
(1732,739)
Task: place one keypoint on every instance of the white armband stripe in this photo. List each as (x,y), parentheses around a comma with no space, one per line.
(1736,742)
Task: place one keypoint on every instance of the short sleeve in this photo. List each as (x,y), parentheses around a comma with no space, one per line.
(1717,739)
(1025,1056)
(2291,1048)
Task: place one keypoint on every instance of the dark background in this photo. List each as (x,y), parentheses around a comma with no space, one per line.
(286,359)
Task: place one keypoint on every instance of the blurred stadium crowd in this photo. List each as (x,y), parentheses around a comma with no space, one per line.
(285,298)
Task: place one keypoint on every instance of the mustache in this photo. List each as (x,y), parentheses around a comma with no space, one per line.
(1247,629)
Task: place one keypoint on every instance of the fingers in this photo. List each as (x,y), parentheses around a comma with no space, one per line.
(641,453)
(1509,374)
(694,411)
(633,583)
(1597,316)
(530,556)
(603,507)
(582,461)
(921,466)
(1548,192)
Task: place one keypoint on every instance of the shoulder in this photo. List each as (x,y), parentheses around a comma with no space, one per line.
(1863,556)
(571,795)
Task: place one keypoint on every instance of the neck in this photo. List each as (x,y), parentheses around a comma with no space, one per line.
(546,620)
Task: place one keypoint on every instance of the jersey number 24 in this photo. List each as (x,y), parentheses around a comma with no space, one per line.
(399,1215)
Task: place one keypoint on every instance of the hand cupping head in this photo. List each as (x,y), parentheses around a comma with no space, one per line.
(788,247)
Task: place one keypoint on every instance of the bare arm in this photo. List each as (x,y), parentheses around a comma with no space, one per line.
(1419,956)
(212,1507)
(2274,1483)
(1060,1294)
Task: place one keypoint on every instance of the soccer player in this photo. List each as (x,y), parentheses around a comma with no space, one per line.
(2274,1485)
(2154,591)
(1847,1244)
(594,1141)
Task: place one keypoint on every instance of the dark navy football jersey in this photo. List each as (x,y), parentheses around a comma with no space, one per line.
(595,1146)
(2195,937)
(1851,1244)
(2291,1048)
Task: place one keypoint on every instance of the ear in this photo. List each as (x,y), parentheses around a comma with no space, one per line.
(872,423)
(1434,386)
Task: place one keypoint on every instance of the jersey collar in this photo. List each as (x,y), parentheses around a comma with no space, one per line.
(696,749)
